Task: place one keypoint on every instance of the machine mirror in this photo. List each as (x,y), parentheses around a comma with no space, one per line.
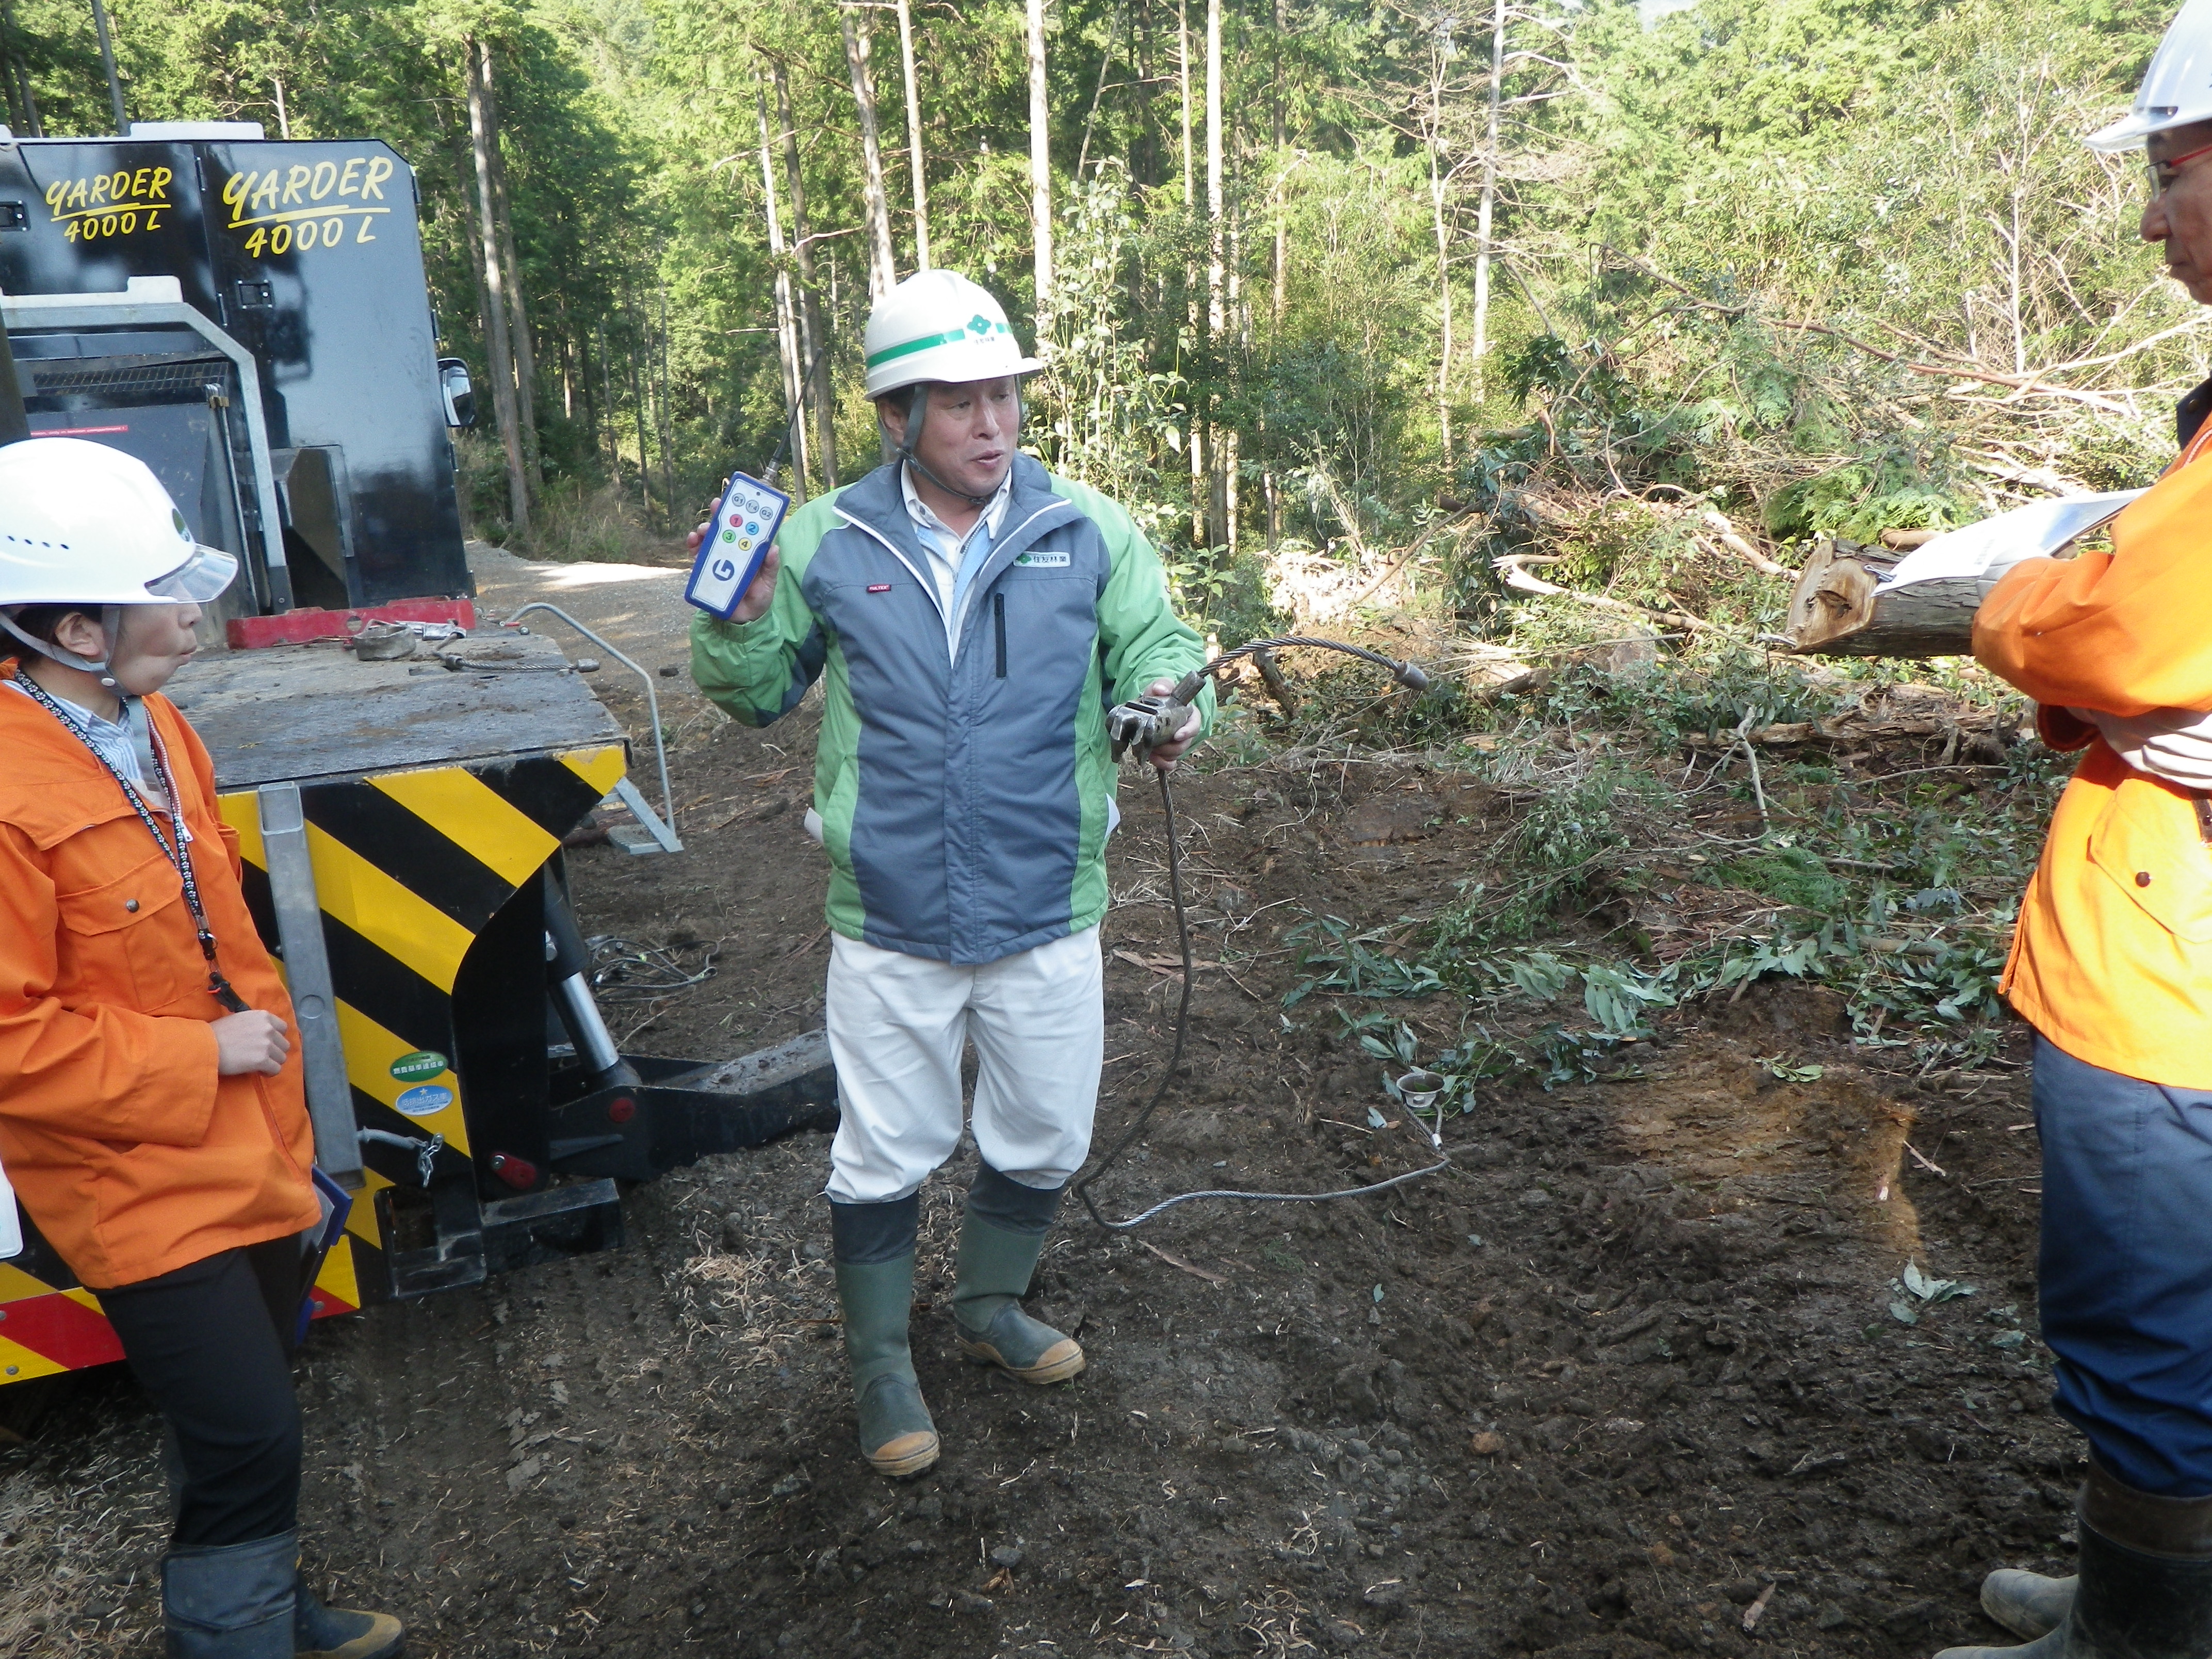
(460,395)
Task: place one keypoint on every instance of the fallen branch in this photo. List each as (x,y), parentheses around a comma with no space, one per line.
(1719,524)
(1920,1160)
(1758,787)
(1404,559)
(2027,384)
(1279,687)
(1982,734)
(2024,385)
(1165,965)
(1191,1268)
(1513,568)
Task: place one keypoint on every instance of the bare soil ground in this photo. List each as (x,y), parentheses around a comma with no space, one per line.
(1623,1376)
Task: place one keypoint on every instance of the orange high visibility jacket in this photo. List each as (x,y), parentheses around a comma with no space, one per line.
(2113,956)
(128,1151)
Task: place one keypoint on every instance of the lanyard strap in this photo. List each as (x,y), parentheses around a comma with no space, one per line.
(180,855)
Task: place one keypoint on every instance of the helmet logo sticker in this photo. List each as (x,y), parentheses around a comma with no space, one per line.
(184,530)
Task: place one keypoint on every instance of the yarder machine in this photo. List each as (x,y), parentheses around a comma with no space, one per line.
(250,318)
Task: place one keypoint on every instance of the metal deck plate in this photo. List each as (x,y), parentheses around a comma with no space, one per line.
(313,713)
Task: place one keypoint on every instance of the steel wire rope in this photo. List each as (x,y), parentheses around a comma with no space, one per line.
(1407,674)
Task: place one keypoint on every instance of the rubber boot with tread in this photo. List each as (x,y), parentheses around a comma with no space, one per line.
(2144,1590)
(321,1632)
(898,1437)
(995,1266)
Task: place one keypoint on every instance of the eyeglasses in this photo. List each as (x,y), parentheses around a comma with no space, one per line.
(2163,174)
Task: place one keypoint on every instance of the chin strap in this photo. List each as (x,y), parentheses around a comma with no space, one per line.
(110,623)
(917,406)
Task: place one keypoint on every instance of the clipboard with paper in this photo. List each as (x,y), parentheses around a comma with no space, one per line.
(336,1205)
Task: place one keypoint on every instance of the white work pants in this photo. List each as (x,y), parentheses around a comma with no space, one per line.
(898,1024)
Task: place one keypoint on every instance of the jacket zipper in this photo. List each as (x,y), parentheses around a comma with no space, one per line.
(276,1131)
(998,616)
(928,586)
(260,1084)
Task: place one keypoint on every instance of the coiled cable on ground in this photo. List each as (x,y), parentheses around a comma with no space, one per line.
(1406,674)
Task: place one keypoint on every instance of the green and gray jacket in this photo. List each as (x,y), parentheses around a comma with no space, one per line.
(965,794)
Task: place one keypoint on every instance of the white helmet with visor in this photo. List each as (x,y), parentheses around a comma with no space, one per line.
(86,526)
(2176,88)
(938,326)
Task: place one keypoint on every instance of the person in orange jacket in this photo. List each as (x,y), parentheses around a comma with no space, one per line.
(2111,964)
(152,1117)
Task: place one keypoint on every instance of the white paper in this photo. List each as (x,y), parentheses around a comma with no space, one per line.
(1988,549)
(11,1230)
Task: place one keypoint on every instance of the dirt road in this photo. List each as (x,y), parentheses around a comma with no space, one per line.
(1636,1374)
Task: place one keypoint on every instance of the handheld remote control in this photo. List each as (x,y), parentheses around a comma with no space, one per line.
(737,542)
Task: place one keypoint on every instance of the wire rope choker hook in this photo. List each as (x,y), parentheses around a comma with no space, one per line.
(1143,723)
(426,1151)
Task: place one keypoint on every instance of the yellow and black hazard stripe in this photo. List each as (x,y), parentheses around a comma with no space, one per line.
(49,1322)
(409,867)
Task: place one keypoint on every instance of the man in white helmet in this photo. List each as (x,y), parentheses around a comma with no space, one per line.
(973,617)
(2111,964)
(152,1115)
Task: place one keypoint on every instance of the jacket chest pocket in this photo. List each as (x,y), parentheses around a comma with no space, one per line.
(1036,626)
(129,939)
(2150,843)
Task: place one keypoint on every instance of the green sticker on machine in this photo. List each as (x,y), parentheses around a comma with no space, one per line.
(423,1063)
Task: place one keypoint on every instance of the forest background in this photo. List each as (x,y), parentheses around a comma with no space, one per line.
(1307,271)
(1372,311)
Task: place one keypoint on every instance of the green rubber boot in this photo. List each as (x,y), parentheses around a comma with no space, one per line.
(875,1292)
(1001,1235)
(321,1632)
(2027,1603)
(2145,1588)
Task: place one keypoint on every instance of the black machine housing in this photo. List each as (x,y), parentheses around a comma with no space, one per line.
(304,256)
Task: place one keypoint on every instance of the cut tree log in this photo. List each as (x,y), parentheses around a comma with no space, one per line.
(1835,611)
(1853,601)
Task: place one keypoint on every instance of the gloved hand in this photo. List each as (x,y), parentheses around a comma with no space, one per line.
(2173,744)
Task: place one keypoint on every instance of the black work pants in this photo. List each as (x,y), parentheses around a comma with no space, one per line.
(211,1343)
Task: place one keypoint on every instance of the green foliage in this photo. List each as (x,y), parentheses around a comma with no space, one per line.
(1676,196)
(1337,959)
(1893,488)
(1794,875)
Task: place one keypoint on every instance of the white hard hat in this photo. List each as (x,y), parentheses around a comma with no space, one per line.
(83,523)
(2176,88)
(938,326)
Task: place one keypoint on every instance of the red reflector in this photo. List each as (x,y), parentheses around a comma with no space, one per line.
(299,627)
(621,1109)
(518,1173)
(879,587)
